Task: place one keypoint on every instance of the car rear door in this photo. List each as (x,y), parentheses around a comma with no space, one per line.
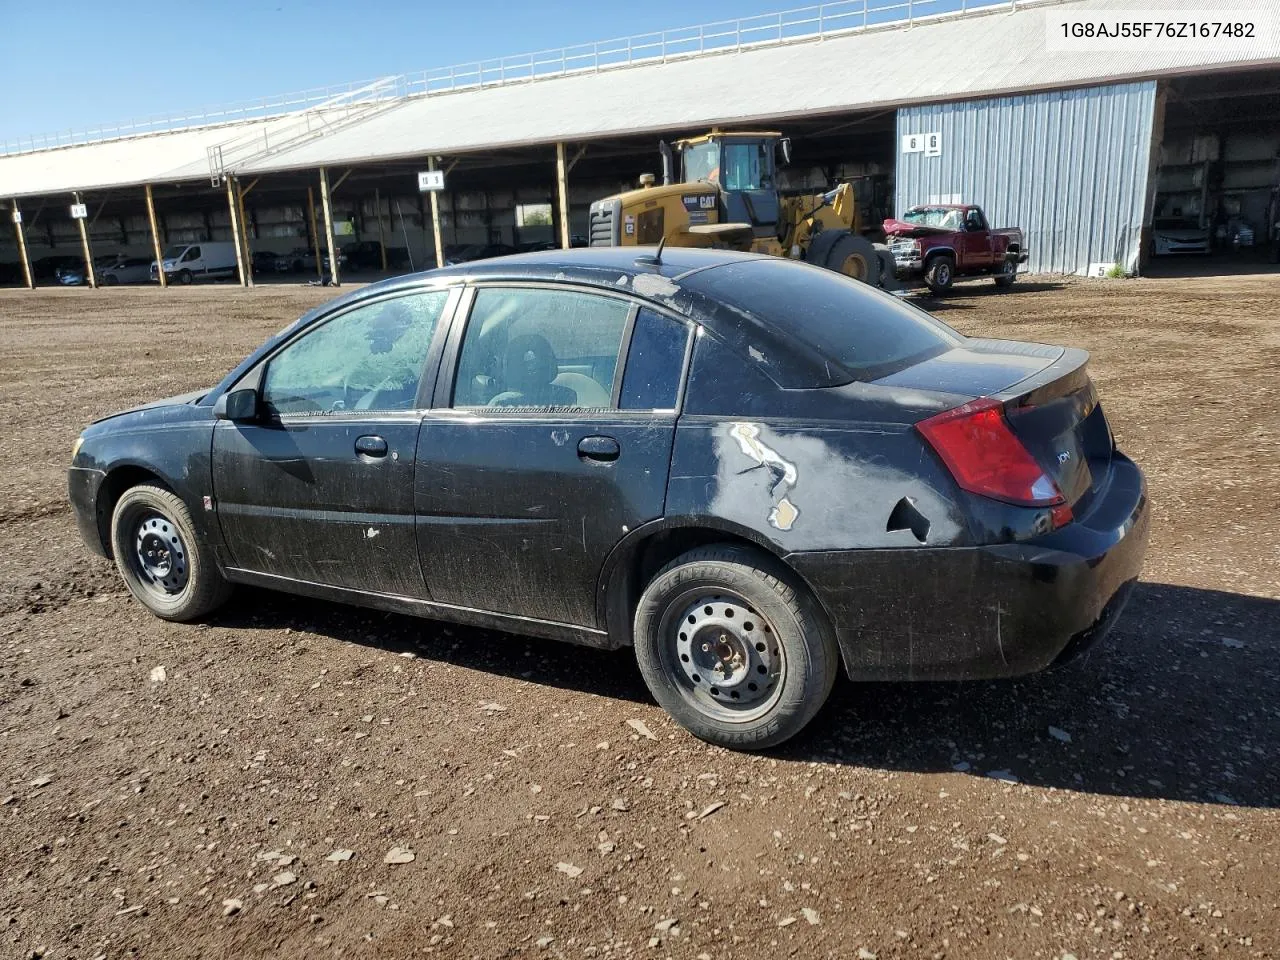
(320,489)
(550,439)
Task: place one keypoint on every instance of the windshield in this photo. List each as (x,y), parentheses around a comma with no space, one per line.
(947,218)
(840,328)
(702,162)
(174,252)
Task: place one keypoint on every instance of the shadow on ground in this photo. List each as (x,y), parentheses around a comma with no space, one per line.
(1181,701)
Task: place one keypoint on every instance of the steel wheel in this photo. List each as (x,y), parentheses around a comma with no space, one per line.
(159,557)
(855,266)
(724,657)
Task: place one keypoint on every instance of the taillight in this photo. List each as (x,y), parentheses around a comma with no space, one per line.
(984,456)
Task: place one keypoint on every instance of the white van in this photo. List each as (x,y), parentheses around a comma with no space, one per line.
(186,262)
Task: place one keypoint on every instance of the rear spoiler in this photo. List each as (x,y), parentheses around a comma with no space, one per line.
(1064,375)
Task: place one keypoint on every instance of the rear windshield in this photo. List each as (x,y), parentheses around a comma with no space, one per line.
(842,330)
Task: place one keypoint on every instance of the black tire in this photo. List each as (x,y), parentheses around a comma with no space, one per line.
(856,258)
(939,274)
(162,563)
(744,595)
(184,277)
(1009,273)
(110,280)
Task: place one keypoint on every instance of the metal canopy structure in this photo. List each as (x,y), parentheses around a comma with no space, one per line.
(825,74)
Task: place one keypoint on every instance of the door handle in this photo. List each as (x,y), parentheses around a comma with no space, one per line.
(371,446)
(602,449)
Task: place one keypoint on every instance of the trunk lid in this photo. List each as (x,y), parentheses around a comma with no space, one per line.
(1050,403)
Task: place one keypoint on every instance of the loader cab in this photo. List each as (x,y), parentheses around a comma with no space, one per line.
(744,166)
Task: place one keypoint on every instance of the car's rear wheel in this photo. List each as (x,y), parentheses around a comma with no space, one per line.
(734,648)
(163,564)
(1008,273)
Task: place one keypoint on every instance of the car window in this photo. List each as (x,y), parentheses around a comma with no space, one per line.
(369,358)
(544,348)
(833,329)
(655,361)
(192,254)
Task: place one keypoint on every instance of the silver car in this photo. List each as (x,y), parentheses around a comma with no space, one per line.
(126,270)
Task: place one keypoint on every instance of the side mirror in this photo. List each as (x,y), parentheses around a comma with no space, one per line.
(785,144)
(238,406)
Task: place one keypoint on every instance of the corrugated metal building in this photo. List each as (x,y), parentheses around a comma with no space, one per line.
(1070,145)
(1070,167)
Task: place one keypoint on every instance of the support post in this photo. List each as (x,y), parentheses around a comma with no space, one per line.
(562,190)
(435,218)
(88,253)
(155,237)
(235,232)
(315,233)
(22,247)
(244,231)
(382,240)
(334,277)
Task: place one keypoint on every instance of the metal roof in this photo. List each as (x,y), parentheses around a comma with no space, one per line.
(990,52)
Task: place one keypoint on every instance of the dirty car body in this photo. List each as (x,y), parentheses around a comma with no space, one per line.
(537,478)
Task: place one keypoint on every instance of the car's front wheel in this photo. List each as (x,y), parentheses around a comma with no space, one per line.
(157,553)
(734,647)
(939,275)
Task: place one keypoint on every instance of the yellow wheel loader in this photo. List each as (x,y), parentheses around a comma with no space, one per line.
(727,197)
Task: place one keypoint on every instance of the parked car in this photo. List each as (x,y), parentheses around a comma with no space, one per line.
(208,260)
(476,251)
(46,268)
(265,262)
(300,259)
(1172,236)
(72,273)
(126,270)
(367,255)
(752,470)
(942,243)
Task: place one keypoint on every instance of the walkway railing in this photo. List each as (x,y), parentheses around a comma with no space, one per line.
(802,23)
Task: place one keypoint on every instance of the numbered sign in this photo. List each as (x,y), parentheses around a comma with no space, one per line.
(17,216)
(930,144)
(79,211)
(430,180)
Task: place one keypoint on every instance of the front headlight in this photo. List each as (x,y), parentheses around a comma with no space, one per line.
(75,447)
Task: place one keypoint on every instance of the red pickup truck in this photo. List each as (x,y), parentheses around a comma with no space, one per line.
(944,242)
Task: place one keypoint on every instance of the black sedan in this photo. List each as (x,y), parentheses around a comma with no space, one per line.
(752,470)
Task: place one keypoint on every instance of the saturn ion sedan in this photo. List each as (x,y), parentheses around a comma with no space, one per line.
(752,471)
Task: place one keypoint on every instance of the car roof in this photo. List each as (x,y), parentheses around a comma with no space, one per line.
(598,266)
(672,283)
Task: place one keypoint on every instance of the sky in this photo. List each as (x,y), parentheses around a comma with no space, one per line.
(87,63)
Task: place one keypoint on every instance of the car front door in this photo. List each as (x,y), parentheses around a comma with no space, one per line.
(551,439)
(320,488)
(977,240)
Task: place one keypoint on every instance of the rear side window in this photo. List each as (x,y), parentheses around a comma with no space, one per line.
(655,361)
(840,329)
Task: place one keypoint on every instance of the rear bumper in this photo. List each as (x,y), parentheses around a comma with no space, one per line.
(956,613)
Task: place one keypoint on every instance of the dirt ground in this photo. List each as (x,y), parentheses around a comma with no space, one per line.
(1123,806)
